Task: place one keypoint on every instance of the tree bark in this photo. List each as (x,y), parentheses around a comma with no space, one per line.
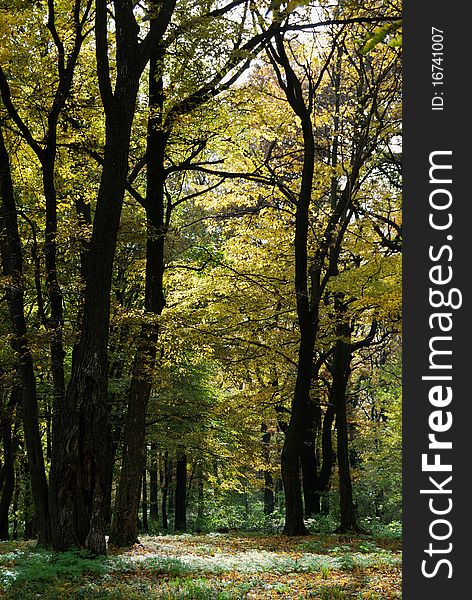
(124,528)
(294,523)
(311,491)
(307,321)
(316,477)
(12,261)
(80,448)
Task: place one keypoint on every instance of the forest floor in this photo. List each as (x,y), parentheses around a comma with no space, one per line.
(209,567)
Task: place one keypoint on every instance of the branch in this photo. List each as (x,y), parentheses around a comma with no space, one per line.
(367,341)
(15,117)
(158,28)
(353,20)
(37,268)
(51,25)
(214,87)
(100,160)
(101,50)
(235,175)
(250,342)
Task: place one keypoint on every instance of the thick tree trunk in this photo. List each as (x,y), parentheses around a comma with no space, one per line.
(180,521)
(81,447)
(124,529)
(316,479)
(80,431)
(12,261)
(294,524)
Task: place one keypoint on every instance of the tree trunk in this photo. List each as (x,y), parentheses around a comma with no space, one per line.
(324,476)
(341,372)
(153,486)
(314,484)
(12,261)
(180,521)
(56,321)
(7,472)
(348,513)
(311,491)
(269,500)
(124,529)
(309,460)
(144,502)
(294,524)
(165,481)
(307,298)
(81,446)
(200,497)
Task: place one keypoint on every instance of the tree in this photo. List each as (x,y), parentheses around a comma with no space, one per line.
(313,273)
(159,205)
(12,263)
(79,459)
